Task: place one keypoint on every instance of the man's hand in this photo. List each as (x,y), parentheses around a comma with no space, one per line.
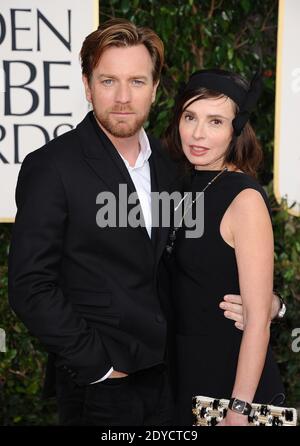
(116,374)
(275,306)
(233,308)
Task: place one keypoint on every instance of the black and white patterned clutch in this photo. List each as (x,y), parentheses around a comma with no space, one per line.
(210,411)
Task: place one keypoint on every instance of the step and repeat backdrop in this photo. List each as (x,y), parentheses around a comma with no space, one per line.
(287,127)
(41,92)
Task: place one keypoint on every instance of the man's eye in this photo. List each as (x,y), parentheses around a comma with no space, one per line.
(107,82)
(137,82)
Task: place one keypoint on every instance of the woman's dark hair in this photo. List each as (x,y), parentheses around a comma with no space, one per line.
(244,151)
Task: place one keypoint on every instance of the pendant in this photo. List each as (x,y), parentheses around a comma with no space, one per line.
(171,241)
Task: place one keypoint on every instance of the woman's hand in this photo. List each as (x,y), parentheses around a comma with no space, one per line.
(234,419)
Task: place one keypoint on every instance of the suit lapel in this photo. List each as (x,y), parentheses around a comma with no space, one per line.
(102,156)
(104,159)
(154,188)
(166,175)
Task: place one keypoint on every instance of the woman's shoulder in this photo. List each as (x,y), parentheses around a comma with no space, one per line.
(239,180)
(248,190)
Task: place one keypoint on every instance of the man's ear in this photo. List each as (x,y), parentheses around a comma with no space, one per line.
(87,89)
(154,91)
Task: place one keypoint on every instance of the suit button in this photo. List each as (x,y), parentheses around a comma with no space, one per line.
(73,375)
(160,318)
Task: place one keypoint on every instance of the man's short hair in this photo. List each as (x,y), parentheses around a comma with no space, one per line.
(120,33)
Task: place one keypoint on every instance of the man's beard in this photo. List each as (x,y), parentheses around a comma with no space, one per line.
(118,127)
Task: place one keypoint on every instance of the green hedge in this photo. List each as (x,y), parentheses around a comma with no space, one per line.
(196,34)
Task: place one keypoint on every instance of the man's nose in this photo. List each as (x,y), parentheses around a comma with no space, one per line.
(123,93)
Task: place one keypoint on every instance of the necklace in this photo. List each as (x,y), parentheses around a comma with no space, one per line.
(173,234)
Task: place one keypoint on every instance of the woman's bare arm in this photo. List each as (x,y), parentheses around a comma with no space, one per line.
(252,237)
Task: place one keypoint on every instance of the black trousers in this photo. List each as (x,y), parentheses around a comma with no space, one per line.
(140,399)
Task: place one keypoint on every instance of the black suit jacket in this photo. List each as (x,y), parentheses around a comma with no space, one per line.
(89,294)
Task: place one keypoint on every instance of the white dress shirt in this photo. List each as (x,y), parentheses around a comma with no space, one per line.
(140,175)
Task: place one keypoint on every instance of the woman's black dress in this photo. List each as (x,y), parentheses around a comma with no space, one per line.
(207,344)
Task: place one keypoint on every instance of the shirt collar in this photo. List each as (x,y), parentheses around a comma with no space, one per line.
(145,151)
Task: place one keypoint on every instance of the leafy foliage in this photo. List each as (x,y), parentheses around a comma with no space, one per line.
(234,34)
(22,366)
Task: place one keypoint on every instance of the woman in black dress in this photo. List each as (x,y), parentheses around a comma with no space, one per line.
(211,135)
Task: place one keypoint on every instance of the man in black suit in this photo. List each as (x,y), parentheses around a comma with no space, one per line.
(90,293)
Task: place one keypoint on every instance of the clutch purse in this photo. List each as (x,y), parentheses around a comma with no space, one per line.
(210,411)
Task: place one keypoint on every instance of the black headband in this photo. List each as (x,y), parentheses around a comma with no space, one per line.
(224,83)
